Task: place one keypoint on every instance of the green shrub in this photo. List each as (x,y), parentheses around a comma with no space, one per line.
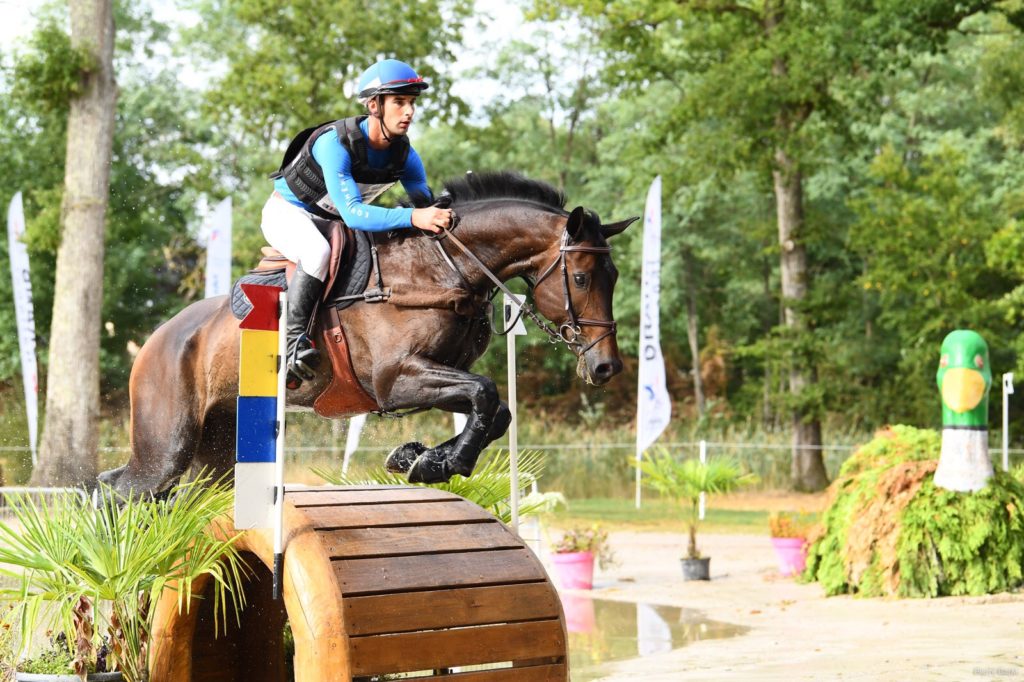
(890,531)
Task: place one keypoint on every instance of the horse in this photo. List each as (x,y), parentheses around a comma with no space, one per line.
(184,381)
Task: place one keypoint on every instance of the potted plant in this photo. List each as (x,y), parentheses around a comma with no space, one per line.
(574,554)
(53,664)
(789,532)
(684,481)
(93,572)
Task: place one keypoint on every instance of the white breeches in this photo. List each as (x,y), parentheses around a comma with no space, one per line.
(290,230)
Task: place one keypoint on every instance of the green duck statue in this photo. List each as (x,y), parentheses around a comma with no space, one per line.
(964,380)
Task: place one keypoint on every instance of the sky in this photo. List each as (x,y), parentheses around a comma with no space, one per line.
(501,19)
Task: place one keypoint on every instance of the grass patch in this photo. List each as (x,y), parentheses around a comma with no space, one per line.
(655,514)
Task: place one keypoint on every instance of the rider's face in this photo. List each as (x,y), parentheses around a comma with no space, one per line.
(399,111)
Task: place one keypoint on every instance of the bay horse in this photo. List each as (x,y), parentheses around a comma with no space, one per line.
(184,382)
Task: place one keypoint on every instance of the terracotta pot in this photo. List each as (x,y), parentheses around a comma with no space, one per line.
(791,554)
(575,570)
(696,569)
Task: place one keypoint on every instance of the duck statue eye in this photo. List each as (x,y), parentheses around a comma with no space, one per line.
(979,361)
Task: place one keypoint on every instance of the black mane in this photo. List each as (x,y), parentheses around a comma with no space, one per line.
(504,185)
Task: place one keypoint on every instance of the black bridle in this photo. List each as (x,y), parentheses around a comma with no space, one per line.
(570,331)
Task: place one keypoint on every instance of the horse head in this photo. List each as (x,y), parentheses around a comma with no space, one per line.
(575,292)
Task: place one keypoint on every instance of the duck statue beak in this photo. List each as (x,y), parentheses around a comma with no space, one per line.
(962,389)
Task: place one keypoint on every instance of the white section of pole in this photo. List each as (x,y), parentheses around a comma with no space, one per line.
(513,440)
(282,345)
(1007,392)
(639,459)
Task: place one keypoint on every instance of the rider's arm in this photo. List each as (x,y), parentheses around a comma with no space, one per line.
(337,168)
(414,180)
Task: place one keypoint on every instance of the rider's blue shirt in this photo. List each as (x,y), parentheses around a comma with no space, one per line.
(336,163)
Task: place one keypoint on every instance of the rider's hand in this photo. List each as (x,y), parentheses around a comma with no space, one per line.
(431,219)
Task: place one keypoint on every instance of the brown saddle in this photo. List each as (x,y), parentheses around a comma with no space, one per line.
(344,396)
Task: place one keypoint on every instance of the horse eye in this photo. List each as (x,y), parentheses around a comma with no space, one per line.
(580,278)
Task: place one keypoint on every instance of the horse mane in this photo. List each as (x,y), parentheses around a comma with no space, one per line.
(504,185)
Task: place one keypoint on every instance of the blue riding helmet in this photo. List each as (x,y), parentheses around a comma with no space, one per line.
(390,77)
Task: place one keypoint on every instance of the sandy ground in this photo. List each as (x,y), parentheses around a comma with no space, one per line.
(795,632)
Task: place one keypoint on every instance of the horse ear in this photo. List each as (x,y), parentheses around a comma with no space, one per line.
(574,224)
(615,228)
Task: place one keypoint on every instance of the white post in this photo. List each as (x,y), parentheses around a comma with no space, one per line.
(639,459)
(703,460)
(511,311)
(282,341)
(1007,392)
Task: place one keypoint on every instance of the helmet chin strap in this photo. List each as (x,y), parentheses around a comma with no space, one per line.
(380,115)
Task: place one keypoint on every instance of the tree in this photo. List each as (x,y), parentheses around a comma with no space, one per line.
(68,451)
(773,78)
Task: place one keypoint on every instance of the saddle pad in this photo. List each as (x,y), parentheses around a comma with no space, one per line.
(353,275)
(240,305)
(354,272)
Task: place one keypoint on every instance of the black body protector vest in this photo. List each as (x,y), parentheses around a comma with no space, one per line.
(305,177)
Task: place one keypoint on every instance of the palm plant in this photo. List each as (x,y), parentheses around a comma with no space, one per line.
(684,481)
(490,486)
(77,565)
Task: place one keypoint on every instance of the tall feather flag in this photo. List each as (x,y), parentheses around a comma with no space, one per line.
(24,314)
(654,407)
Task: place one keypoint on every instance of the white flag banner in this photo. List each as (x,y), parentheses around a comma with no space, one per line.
(355,427)
(654,408)
(24,315)
(218,250)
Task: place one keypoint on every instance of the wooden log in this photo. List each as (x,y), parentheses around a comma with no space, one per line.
(437,609)
(448,648)
(409,514)
(351,543)
(408,573)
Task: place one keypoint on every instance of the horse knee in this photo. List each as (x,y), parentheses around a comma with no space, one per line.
(500,422)
(484,397)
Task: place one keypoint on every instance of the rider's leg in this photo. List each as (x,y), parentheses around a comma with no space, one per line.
(290,230)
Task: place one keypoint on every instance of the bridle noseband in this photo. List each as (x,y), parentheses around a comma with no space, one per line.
(570,331)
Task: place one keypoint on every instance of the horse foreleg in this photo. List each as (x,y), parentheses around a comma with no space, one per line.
(401,459)
(424,383)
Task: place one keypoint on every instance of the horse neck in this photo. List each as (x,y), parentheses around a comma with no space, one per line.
(510,239)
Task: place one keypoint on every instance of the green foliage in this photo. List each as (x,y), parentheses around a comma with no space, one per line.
(68,558)
(889,530)
(490,485)
(54,660)
(956,543)
(49,74)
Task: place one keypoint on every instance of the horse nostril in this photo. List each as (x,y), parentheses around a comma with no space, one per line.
(604,370)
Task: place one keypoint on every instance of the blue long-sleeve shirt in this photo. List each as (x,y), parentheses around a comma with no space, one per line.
(336,163)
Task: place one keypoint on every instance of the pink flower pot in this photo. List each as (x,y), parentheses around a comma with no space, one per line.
(575,570)
(791,554)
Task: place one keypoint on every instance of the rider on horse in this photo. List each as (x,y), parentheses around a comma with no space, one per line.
(334,171)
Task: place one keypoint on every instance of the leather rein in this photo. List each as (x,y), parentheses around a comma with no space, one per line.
(570,331)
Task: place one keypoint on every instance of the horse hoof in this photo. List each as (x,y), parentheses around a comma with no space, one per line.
(401,459)
(426,470)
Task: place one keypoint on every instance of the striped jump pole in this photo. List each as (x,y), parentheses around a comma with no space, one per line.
(259,435)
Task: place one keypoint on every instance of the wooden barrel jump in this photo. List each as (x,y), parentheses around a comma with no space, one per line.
(377,580)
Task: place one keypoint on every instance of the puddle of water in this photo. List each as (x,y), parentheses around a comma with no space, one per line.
(601,632)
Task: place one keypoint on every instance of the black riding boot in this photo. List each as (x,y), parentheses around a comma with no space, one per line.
(303,359)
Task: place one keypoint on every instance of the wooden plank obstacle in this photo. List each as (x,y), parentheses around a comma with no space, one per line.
(377,580)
